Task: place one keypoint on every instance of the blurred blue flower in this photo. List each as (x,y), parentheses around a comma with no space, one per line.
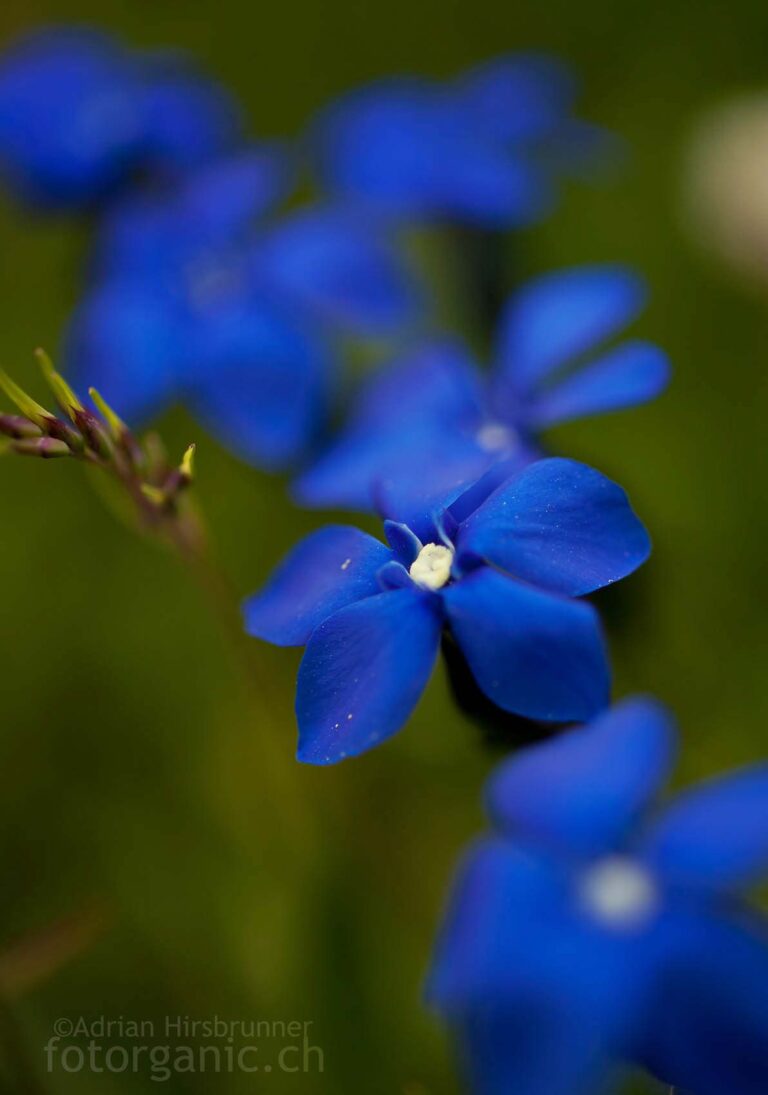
(584,934)
(194,299)
(486,148)
(502,580)
(79,113)
(433,422)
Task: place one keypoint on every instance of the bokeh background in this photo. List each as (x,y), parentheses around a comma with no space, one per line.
(140,828)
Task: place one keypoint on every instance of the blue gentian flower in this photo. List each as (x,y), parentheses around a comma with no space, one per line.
(503,580)
(585,932)
(435,411)
(485,149)
(194,299)
(79,113)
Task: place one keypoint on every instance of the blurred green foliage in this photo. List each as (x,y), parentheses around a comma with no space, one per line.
(132,756)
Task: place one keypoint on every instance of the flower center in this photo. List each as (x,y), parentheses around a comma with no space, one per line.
(431,569)
(496,437)
(619,893)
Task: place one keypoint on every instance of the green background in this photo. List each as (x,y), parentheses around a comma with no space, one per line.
(134,761)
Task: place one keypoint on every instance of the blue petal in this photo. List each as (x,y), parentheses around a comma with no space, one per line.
(405,545)
(709,1017)
(474,496)
(559,525)
(500,901)
(129,344)
(520,97)
(262,382)
(222,198)
(188,119)
(70,120)
(538,1001)
(340,266)
(405,147)
(363,672)
(560,316)
(331,568)
(626,376)
(426,476)
(184,234)
(393,575)
(405,427)
(584,790)
(531,653)
(717,834)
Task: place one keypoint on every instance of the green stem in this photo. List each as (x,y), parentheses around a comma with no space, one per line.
(278,767)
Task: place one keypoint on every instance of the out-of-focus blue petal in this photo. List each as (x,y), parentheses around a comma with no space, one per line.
(341,266)
(544,1047)
(220,200)
(717,834)
(405,148)
(536,1000)
(407,426)
(402,477)
(70,121)
(423,479)
(262,381)
(329,569)
(560,525)
(188,119)
(560,316)
(532,653)
(502,900)
(439,382)
(632,373)
(583,790)
(130,345)
(184,231)
(363,672)
(519,98)
(708,1021)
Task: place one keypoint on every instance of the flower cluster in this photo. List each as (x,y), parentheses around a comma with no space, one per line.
(586,932)
(99,437)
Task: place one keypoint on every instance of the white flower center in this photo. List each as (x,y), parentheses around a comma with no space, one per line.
(619,893)
(496,437)
(431,569)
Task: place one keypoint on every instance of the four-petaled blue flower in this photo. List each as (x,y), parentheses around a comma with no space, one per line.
(585,934)
(486,148)
(503,581)
(192,300)
(434,412)
(80,114)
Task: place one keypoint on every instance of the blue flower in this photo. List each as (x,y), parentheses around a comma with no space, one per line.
(79,113)
(502,580)
(585,933)
(486,148)
(435,412)
(194,299)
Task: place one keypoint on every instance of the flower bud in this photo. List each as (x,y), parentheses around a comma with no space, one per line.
(14,425)
(45,447)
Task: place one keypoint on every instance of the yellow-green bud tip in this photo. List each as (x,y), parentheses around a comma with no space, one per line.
(25,403)
(188,463)
(62,392)
(154,494)
(116,425)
